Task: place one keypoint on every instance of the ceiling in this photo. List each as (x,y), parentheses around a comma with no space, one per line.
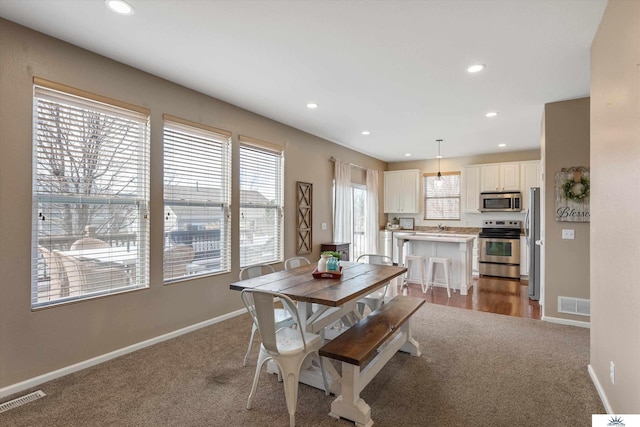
(395,68)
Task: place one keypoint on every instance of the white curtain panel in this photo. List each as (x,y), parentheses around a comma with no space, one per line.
(371,225)
(342,215)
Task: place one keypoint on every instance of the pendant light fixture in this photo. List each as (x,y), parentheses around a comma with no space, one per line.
(438,182)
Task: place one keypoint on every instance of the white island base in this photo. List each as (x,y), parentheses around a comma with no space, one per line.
(458,248)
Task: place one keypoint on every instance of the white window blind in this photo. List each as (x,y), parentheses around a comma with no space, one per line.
(442,201)
(261,203)
(90,196)
(197,194)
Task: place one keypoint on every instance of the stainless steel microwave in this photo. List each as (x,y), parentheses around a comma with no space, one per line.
(501,202)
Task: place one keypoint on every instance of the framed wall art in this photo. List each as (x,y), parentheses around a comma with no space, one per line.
(573,188)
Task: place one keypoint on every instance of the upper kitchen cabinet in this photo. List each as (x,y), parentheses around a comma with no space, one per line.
(471,187)
(402,191)
(512,176)
(500,177)
(529,177)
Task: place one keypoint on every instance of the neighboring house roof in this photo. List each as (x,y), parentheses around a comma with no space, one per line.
(204,194)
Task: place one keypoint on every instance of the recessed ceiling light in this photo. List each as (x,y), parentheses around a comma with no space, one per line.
(491,114)
(119,6)
(312,105)
(475,68)
(365,132)
(502,145)
(407,155)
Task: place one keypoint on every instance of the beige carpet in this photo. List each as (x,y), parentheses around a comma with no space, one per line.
(476,369)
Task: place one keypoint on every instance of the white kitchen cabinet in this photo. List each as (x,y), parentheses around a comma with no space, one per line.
(402,191)
(471,189)
(524,257)
(490,178)
(529,177)
(500,177)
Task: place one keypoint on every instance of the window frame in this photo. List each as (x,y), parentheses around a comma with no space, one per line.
(90,170)
(250,151)
(427,177)
(210,143)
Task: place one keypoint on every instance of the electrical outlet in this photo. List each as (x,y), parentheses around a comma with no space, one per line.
(568,234)
(324,225)
(612,372)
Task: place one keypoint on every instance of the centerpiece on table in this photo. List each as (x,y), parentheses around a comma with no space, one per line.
(329,266)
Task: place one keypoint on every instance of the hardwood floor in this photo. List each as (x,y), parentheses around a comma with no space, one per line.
(492,294)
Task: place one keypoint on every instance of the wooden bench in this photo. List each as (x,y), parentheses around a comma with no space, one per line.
(365,348)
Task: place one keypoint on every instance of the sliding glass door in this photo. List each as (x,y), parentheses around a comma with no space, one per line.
(359,217)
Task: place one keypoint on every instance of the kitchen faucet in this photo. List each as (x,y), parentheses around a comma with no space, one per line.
(441,227)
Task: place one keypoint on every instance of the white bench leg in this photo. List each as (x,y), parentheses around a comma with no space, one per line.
(411,346)
(349,404)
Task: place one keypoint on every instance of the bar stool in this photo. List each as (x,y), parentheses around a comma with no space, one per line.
(421,261)
(446,265)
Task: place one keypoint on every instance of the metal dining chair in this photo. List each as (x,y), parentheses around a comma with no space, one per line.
(295,262)
(257,270)
(287,347)
(375,299)
(282,316)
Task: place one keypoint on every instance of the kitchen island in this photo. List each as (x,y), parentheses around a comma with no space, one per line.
(457,247)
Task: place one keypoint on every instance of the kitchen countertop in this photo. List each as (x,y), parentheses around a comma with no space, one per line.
(451,238)
(435,230)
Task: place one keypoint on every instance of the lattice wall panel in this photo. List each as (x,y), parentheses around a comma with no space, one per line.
(305,200)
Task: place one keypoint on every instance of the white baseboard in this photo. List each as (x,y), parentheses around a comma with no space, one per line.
(33,382)
(567,322)
(603,396)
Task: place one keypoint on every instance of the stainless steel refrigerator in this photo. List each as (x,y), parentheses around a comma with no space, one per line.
(532,233)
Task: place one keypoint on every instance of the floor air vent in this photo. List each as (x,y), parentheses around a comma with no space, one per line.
(21,400)
(581,307)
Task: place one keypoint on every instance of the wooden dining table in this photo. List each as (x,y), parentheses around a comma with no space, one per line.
(323,302)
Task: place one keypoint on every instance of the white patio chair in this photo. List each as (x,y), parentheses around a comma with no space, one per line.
(175,261)
(375,299)
(283,318)
(58,282)
(90,276)
(287,347)
(295,262)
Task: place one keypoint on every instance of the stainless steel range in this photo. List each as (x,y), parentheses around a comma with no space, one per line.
(500,248)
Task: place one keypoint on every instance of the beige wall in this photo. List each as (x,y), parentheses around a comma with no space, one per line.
(35,343)
(615,206)
(566,271)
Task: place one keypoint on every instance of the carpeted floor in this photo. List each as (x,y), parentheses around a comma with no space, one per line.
(476,369)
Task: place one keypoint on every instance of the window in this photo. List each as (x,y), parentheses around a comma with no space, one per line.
(197,194)
(90,195)
(442,201)
(261,200)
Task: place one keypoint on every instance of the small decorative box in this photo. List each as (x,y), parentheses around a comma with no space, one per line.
(327,274)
